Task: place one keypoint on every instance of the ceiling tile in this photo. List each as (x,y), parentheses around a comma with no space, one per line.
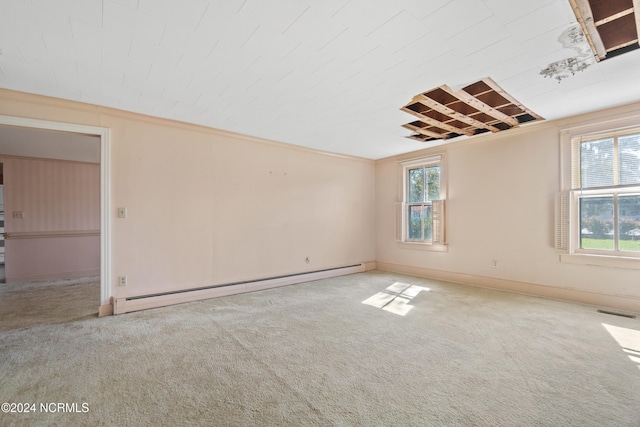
(478,37)
(422,9)
(276,19)
(126,21)
(402,30)
(89,11)
(218,24)
(269,44)
(447,21)
(551,16)
(348,45)
(323,74)
(314,29)
(505,10)
(365,16)
(186,13)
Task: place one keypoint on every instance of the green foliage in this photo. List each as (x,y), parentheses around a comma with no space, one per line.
(607,244)
(601,228)
(628,225)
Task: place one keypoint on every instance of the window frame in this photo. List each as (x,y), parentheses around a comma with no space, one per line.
(572,191)
(439,243)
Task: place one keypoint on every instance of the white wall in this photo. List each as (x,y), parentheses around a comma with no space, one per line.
(501,207)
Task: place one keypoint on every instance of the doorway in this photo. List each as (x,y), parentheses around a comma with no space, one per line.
(103,134)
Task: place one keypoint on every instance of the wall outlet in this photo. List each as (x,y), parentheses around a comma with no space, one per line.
(122,280)
(122,212)
(494,263)
(18,214)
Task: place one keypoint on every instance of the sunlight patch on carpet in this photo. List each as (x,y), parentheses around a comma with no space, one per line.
(628,339)
(395,298)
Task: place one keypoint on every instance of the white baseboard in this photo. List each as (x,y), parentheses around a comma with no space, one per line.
(126,305)
(625,303)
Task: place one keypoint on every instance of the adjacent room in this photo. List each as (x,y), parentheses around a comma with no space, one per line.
(320,212)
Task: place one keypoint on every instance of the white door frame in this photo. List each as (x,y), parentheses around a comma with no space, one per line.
(105,195)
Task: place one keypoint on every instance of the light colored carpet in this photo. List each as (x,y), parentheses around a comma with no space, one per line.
(29,304)
(314,354)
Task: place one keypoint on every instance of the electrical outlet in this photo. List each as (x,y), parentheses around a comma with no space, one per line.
(18,214)
(122,280)
(122,212)
(494,263)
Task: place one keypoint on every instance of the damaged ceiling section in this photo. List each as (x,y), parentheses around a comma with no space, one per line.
(611,26)
(477,108)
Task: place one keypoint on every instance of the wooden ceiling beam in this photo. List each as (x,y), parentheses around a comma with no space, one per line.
(422,131)
(437,117)
(434,122)
(582,10)
(493,85)
(469,99)
(620,46)
(453,113)
(614,17)
(636,8)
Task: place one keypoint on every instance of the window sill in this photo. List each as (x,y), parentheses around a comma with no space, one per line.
(601,260)
(424,246)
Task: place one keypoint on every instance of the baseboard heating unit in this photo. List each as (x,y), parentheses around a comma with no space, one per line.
(144,302)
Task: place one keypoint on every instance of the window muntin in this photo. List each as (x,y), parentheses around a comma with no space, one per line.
(606,191)
(422,189)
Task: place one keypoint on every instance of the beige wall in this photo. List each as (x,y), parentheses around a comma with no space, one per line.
(209,207)
(56,198)
(501,207)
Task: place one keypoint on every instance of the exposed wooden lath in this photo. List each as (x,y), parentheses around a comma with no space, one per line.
(480,107)
(611,26)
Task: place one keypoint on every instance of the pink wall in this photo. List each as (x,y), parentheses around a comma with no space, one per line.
(52,258)
(208,207)
(58,235)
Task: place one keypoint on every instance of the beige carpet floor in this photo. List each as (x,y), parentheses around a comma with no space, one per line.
(417,353)
(31,304)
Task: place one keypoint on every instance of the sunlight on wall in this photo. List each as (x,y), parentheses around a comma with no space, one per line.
(395,298)
(628,339)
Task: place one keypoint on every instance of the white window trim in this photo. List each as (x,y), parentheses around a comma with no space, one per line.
(567,216)
(401,214)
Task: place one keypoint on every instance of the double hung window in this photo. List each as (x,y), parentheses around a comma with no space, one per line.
(422,209)
(605,194)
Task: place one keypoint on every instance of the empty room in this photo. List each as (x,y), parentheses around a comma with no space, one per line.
(342,212)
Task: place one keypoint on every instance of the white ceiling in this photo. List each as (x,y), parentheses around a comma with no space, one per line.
(325,74)
(49,144)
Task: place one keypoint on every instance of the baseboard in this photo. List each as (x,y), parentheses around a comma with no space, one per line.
(105,310)
(129,304)
(53,276)
(371,265)
(624,303)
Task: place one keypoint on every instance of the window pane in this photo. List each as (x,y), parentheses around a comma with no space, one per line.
(427,222)
(596,223)
(416,185)
(433,180)
(629,222)
(415,222)
(629,147)
(596,163)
